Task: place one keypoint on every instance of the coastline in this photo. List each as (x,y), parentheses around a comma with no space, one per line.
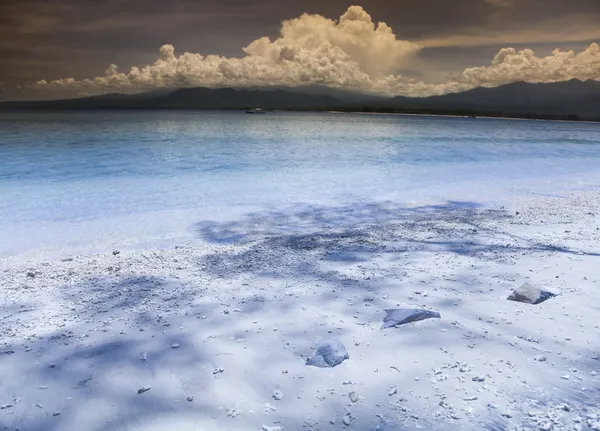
(213,331)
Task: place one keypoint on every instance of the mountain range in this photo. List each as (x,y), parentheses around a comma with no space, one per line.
(573,100)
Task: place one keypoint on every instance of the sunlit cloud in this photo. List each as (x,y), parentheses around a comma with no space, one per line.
(351,53)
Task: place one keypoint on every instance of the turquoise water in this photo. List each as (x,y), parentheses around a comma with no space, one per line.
(97,178)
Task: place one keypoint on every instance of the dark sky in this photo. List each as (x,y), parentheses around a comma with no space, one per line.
(54,39)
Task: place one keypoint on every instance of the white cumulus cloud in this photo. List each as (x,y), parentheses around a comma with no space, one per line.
(352,53)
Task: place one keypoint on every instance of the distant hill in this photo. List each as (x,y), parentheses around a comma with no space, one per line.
(189,98)
(574,97)
(563,100)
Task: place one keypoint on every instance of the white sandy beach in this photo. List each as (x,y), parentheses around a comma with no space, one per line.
(219,334)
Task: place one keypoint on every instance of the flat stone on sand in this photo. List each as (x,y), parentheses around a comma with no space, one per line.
(530,294)
(400,316)
(329,354)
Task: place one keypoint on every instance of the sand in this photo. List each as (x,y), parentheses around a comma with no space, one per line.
(216,336)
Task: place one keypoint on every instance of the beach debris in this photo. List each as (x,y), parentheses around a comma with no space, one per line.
(530,294)
(329,354)
(400,316)
(143,389)
(277,395)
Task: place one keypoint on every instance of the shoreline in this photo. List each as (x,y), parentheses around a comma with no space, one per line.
(213,332)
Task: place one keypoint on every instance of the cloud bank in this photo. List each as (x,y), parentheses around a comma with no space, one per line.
(351,53)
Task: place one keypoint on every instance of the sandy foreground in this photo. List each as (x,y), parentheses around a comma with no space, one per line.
(215,337)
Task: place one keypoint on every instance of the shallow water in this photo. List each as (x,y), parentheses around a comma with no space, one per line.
(103,179)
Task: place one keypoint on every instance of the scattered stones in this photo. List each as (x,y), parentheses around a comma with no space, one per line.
(277,395)
(347,419)
(471,398)
(480,378)
(530,294)
(5,406)
(143,389)
(329,354)
(401,316)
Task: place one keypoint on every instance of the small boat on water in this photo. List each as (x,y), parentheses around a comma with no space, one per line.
(255,111)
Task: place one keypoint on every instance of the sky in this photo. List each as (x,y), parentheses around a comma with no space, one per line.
(72,48)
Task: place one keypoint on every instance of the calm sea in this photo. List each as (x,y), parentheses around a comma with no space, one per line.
(90,181)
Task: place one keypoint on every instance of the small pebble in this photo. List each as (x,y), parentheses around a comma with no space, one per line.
(174,345)
(277,395)
(56,414)
(190,398)
(353,396)
(143,389)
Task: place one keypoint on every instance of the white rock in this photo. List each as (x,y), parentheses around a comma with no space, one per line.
(401,316)
(353,396)
(530,294)
(174,345)
(277,395)
(273,428)
(329,354)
